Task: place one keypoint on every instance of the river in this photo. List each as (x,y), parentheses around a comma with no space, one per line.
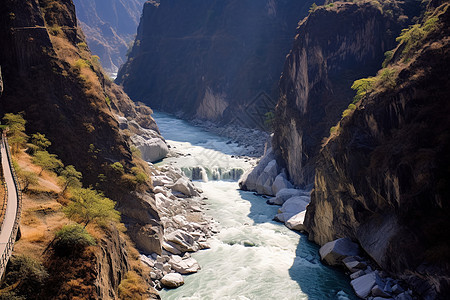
(252,257)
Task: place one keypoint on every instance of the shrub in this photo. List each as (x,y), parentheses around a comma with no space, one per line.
(82,46)
(26,275)
(88,205)
(387,78)
(388,56)
(132,287)
(27,178)
(72,238)
(40,141)
(118,167)
(55,30)
(362,87)
(313,8)
(108,101)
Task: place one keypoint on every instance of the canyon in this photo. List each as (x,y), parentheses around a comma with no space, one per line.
(341,161)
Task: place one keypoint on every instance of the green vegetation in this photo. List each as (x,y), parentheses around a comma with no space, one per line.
(81,63)
(388,56)
(70,177)
(72,238)
(47,161)
(269,120)
(88,205)
(27,178)
(362,87)
(108,101)
(139,175)
(313,8)
(26,277)
(55,30)
(82,46)
(16,130)
(118,167)
(38,143)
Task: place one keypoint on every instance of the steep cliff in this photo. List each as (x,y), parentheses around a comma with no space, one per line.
(110,27)
(382,178)
(215,60)
(52,77)
(335,45)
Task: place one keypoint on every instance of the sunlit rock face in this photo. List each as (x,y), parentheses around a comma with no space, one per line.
(214,60)
(334,46)
(110,28)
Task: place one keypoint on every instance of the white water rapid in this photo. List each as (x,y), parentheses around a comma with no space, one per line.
(252,257)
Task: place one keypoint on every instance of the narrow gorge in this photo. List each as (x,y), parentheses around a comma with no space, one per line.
(251,149)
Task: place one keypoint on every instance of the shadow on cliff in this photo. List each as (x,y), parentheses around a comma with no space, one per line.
(311,275)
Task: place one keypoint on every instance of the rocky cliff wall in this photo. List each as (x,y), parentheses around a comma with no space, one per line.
(383,179)
(55,81)
(110,28)
(334,46)
(215,60)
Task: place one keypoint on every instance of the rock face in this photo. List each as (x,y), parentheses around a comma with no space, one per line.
(110,28)
(51,77)
(383,179)
(225,57)
(333,47)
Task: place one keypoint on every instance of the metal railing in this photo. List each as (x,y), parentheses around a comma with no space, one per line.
(12,238)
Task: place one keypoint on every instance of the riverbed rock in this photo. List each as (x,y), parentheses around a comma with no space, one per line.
(291,207)
(184,186)
(377,291)
(152,149)
(185,265)
(280,183)
(296,221)
(172,280)
(260,178)
(285,194)
(334,252)
(353,265)
(363,285)
(182,241)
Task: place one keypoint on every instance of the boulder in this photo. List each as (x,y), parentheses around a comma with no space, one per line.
(291,207)
(147,238)
(152,149)
(296,221)
(357,274)
(280,183)
(285,194)
(170,247)
(377,291)
(266,179)
(363,285)
(182,241)
(186,265)
(251,179)
(172,280)
(353,265)
(184,186)
(334,252)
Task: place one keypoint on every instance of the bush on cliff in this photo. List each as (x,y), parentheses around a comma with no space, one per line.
(72,238)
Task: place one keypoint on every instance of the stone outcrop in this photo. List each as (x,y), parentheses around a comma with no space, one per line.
(334,45)
(383,179)
(110,28)
(210,59)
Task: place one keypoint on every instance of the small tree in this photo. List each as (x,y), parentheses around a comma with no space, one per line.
(47,161)
(72,238)
(27,178)
(38,142)
(89,205)
(70,177)
(16,130)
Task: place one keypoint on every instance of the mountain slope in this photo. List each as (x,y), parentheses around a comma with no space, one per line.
(110,27)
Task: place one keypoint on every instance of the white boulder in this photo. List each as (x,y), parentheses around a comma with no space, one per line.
(185,265)
(184,186)
(280,183)
(296,221)
(285,194)
(182,241)
(291,207)
(172,280)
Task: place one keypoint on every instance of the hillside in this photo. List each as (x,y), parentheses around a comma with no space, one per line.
(51,77)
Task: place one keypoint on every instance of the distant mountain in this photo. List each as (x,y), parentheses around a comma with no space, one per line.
(214,60)
(110,27)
